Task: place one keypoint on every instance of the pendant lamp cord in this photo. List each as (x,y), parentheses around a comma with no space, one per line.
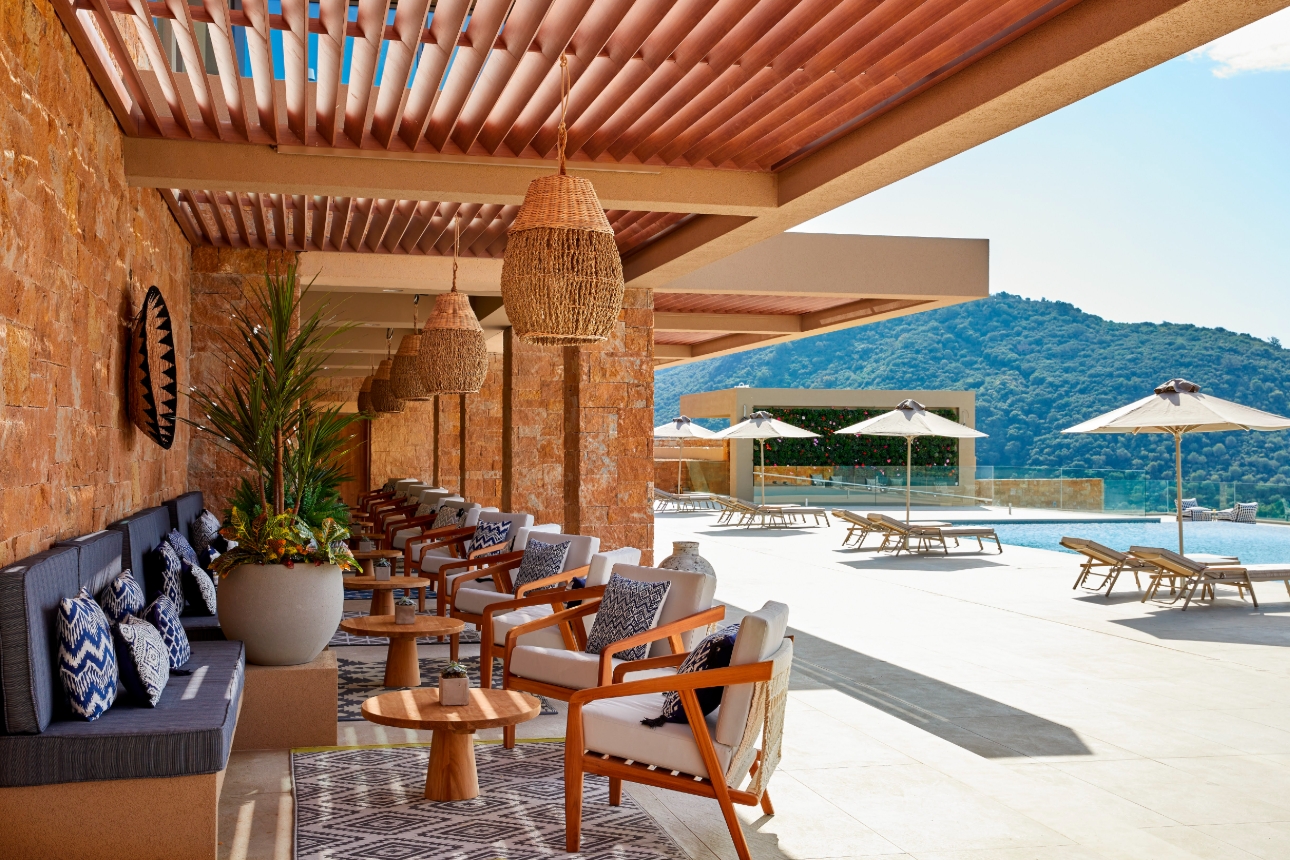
(456,243)
(562,136)
(389,336)
(416,300)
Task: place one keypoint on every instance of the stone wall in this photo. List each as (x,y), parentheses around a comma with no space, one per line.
(78,250)
(403,444)
(221,280)
(534,470)
(483,438)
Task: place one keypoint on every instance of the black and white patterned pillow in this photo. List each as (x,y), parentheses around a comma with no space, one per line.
(712,653)
(181,546)
(86,658)
(199,590)
(162,614)
(628,607)
(448,516)
(208,555)
(540,561)
(424,510)
(169,569)
(144,659)
(204,529)
(490,534)
(121,597)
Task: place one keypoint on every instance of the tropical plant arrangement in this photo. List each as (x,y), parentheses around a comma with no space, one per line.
(284,539)
(269,414)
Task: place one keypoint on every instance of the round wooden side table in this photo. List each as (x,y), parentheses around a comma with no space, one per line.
(451,774)
(383,589)
(401,666)
(368,557)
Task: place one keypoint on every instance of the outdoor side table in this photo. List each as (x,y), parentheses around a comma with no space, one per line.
(401,666)
(368,557)
(383,589)
(451,774)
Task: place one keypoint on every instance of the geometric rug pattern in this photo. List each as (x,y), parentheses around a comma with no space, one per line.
(359,680)
(370,803)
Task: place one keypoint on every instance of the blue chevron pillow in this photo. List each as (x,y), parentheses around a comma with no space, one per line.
(121,597)
(540,560)
(144,659)
(86,658)
(488,534)
(629,607)
(162,614)
(181,546)
(170,573)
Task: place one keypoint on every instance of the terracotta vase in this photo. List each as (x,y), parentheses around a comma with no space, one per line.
(685,556)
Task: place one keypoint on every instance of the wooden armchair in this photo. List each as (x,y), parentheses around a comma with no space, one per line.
(605,735)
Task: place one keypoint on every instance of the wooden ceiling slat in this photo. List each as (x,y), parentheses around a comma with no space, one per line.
(495,229)
(710,303)
(329,60)
(359,210)
(257,44)
(299,218)
(318,227)
(441,221)
(365,54)
(445,28)
(280,234)
(382,209)
(221,220)
(481,221)
(239,220)
(400,218)
(552,38)
(464,213)
(129,72)
(156,54)
(295,62)
(420,220)
(521,26)
(194,65)
(340,207)
(481,32)
(261,223)
(409,20)
(220,33)
(186,197)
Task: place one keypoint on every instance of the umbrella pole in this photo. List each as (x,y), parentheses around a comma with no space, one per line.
(680,452)
(909,465)
(762,444)
(1178,501)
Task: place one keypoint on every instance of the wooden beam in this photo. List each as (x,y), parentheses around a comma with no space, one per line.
(672,351)
(156,163)
(757,323)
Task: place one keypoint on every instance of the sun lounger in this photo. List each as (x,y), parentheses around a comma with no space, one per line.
(1098,556)
(899,536)
(683,502)
(858,527)
(1190,575)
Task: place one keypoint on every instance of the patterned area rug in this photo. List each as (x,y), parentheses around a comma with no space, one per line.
(469,636)
(369,803)
(359,680)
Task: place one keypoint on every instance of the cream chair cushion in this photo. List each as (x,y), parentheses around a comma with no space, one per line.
(581,549)
(573,670)
(546,637)
(761,634)
(549,637)
(690,593)
(468,521)
(613,726)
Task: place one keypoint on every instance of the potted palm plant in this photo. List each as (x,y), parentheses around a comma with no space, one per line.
(280,591)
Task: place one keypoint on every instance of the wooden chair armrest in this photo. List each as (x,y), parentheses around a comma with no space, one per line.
(444,537)
(749,674)
(510,558)
(556,579)
(550,621)
(647,664)
(495,571)
(543,599)
(485,550)
(667,631)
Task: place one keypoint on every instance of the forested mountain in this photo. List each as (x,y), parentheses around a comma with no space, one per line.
(1036,367)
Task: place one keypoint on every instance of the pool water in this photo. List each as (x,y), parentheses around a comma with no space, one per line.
(1253,544)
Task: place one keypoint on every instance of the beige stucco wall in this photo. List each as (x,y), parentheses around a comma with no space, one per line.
(735,404)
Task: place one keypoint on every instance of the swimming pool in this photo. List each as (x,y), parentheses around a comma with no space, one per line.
(1253,544)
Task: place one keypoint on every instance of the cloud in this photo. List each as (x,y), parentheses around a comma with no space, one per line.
(1263,46)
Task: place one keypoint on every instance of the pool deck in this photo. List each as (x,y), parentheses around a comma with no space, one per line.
(996,514)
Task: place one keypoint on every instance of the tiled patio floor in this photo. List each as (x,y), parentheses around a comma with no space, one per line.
(970,707)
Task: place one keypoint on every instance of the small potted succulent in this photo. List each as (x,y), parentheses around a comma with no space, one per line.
(454,685)
(405,611)
(383,571)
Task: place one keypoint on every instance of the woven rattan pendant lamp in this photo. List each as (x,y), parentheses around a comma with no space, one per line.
(383,399)
(454,359)
(365,397)
(562,278)
(406,382)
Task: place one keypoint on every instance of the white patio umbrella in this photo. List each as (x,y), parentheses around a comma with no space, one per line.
(680,429)
(910,420)
(1178,407)
(762,426)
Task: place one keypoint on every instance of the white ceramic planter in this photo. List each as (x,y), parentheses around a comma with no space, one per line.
(454,691)
(284,616)
(382,574)
(405,614)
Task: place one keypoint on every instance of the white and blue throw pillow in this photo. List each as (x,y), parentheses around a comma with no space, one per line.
(181,546)
(447,516)
(169,572)
(489,534)
(144,659)
(162,614)
(86,658)
(540,561)
(207,556)
(204,529)
(712,653)
(199,590)
(628,607)
(121,597)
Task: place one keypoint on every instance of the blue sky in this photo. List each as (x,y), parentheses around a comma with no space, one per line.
(1163,198)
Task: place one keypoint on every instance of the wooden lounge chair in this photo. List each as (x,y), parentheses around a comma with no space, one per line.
(1190,574)
(858,527)
(1098,556)
(899,536)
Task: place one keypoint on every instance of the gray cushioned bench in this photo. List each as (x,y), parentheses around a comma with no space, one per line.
(141,533)
(154,771)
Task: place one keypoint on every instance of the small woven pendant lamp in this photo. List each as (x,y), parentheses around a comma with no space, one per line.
(562,277)
(383,399)
(405,373)
(365,407)
(454,359)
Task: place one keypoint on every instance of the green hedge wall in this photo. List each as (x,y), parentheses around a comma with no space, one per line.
(832,449)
